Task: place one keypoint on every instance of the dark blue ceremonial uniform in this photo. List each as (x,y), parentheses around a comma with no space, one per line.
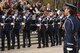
(27,30)
(6,31)
(50,31)
(71,30)
(71,26)
(56,29)
(43,30)
(17,30)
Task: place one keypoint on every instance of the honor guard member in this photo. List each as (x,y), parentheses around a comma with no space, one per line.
(43,29)
(56,29)
(50,28)
(2,33)
(71,26)
(1,13)
(27,24)
(17,27)
(6,19)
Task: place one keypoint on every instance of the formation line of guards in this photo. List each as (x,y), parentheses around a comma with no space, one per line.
(47,24)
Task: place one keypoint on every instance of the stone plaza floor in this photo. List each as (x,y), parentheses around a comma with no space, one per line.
(34,49)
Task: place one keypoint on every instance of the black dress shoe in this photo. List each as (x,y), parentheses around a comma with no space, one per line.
(39,47)
(2,49)
(56,44)
(29,45)
(18,47)
(24,47)
(52,45)
(43,46)
(8,49)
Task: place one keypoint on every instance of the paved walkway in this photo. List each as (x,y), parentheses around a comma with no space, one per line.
(34,49)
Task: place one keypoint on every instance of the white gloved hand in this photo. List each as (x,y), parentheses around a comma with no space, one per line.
(12,23)
(69,49)
(13,17)
(2,24)
(24,17)
(38,24)
(3,17)
(23,23)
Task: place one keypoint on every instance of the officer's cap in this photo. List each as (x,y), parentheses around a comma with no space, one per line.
(71,6)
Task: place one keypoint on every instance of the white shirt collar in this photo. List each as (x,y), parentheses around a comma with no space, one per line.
(68,16)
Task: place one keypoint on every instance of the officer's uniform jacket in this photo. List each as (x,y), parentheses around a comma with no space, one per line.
(71,29)
(28,21)
(18,22)
(44,23)
(8,19)
(50,24)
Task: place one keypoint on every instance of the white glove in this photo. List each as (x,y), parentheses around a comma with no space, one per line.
(24,17)
(45,24)
(23,23)
(59,23)
(12,23)
(38,24)
(2,24)
(40,19)
(3,17)
(69,49)
(13,17)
